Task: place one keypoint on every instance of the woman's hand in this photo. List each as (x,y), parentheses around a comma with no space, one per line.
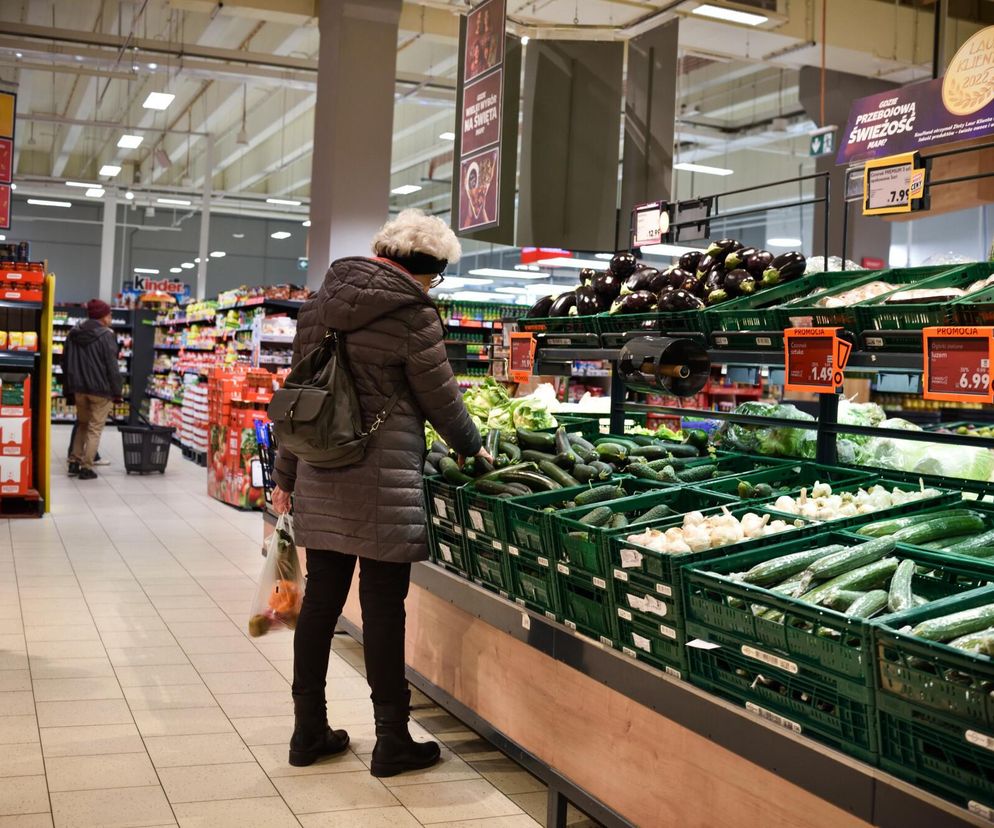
(281,501)
(486,455)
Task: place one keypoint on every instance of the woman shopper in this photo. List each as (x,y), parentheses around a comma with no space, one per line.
(394,343)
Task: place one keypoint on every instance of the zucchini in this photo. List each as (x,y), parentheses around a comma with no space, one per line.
(451,472)
(618,521)
(776,569)
(538,440)
(498,474)
(428,470)
(957,624)
(900,597)
(495,487)
(941,526)
(869,603)
(492,443)
(981,541)
(612,452)
(643,472)
(891,525)
(657,512)
(434,457)
(849,559)
(872,575)
(981,642)
(684,450)
(584,473)
(561,477)
(604,470)
(697,474)
(599,494)
(597,517)
(642,440)
(565,460)
(511,450)
(624,442)
(698,438)
(518,488)
(579,441)
(483,466)
(533,480)
(438,447)
(650,452)
(534,456)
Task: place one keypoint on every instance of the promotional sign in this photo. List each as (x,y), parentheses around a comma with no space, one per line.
(140,285)
(8,106)
(479,187)
(484,38)
(522,356)
(4,206)
(650,222)
(895,184)
(815,359)
(957,364)
(481,111)
(956,107)
(6,160)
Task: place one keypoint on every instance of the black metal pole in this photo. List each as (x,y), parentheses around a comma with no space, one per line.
(845,232)
(617,400)
(828,412)
(937,31)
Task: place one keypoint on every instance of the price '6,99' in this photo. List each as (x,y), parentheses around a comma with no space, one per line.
(974,381)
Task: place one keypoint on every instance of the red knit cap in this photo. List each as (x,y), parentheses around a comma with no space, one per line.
(97,309)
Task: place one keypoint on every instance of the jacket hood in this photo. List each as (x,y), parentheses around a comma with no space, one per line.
(89,331)
(358,290)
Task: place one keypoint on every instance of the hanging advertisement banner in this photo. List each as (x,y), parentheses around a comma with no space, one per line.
(481,112)
(4,206)
(484,48)
(6,160)
(479,186)
(956,107)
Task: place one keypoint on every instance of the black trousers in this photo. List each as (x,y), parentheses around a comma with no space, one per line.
(382,590)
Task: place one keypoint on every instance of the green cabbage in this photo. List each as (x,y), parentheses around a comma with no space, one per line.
(774,440)
(919,457)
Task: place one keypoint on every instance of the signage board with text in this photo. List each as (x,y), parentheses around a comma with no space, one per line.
(957,364)
(522,356)
(814,359)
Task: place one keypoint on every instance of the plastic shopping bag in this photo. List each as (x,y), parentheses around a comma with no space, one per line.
(281,585)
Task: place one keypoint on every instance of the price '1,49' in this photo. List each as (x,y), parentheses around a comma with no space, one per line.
(821,373)
(974,381)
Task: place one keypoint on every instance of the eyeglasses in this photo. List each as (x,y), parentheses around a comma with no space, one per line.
(436,281)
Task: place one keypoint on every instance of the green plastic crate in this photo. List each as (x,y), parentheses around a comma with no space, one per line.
(760,311)
(803,313)
(975,309)
(447,546)
(789,477)
(839,714)
(488,562)
(585,548)
(937,754)
(877,315)
(587,606)
(646,629)
(441,498)
(534,582)
(588,427)
(614,327)
(984,509)
(718,606)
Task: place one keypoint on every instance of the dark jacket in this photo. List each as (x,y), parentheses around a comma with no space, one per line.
(394,342)
(89,361)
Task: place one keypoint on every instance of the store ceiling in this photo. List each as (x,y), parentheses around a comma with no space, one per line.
(243,72)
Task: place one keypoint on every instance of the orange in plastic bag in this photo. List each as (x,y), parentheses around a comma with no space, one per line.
(281,586)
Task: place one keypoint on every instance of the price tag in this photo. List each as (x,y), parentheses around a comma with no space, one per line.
(895,184)
(522,356)
(815,359)
(957,363)
(650,222)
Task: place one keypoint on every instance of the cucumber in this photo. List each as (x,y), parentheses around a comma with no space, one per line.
(597,517)
(948,627)
(841,599)
(495,487)
(941,526)
(668,475)
(869,603)
(788,587)
(777,569)
(451,472)
(584,473)
(624,442)
(851,558)
(533,480)
(643,472)
(657,512)
(981,541)
(697,474)
(511,450)
(612,452)
(890,526)
(763,490)
(599,494)
(674,462)
(872,575)
(538,440)
(650,452)
(900,597)
(561,477)
(982,552)
(981,642)
(618,521)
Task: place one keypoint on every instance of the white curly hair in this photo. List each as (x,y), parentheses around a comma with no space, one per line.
(414,232)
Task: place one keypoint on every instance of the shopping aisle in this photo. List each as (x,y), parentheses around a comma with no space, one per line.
(130,695)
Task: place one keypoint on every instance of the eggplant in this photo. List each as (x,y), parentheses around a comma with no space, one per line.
(736,258)
(693,284)
(586,301)
(757,263)
(714,280)
(784,268)
(587,275)
(677,275)
(739,282)
(721,248)
(689,261)
(623,265)
(639,302)
(607,283)
(641,279)
(540,308)
(708,261)
(563,304)
(658,280)
(716,297)
(680,300)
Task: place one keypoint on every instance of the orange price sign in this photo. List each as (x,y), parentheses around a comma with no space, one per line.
(522,356)
(957,364)
(814,359)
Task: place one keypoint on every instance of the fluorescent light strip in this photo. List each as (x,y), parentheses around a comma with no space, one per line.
(575,264)
(499,273)
(158,100)
(152,270)
(179,202)
(306,223)
(218,254)
(783,241)
(405,189)
(130,141)
(187,265)
(704,169)
(279,234)
(175,270)
(448,136)
(44,202)
(95,192)
(81,184)
(110,170)
(289,202)
(730,15)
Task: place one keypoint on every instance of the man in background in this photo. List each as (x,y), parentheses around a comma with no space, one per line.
(92,379)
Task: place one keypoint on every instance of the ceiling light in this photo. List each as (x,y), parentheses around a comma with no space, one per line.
(242,137)
(13,186)
(279,234)
(500,273)
(406,189)
(95,192)
(730,15)
(187,265)
(605,256)
(175,270)
(44,202)
(448,136)
(110,170)
(238,235)
(783,241)
(153,66)
(306,223)
(152,270)
(525,40)
(566,261)
(18,54)
(289,202)
(179,202)
(702,168)
(129,195)
(158,100)
(197,260)
(81,184)
(218,254)
(130,141)
(668,250)
(3,237)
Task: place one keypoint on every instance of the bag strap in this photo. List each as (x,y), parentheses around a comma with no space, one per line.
(338,338)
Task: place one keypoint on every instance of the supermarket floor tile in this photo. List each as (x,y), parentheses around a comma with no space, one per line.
(131,694)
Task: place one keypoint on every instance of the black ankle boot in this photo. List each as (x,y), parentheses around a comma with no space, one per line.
(395,751)
(312,737)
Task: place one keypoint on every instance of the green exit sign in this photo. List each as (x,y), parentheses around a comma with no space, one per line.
(822,144)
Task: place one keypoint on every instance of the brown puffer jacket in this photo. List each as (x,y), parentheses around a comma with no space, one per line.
(394,340)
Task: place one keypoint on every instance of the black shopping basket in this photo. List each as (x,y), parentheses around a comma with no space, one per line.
(146,447)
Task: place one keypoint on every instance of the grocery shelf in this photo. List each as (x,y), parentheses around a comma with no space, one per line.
(24,360)
(182,348)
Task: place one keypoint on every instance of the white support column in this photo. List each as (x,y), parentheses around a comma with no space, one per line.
(205,220)
(107,238)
